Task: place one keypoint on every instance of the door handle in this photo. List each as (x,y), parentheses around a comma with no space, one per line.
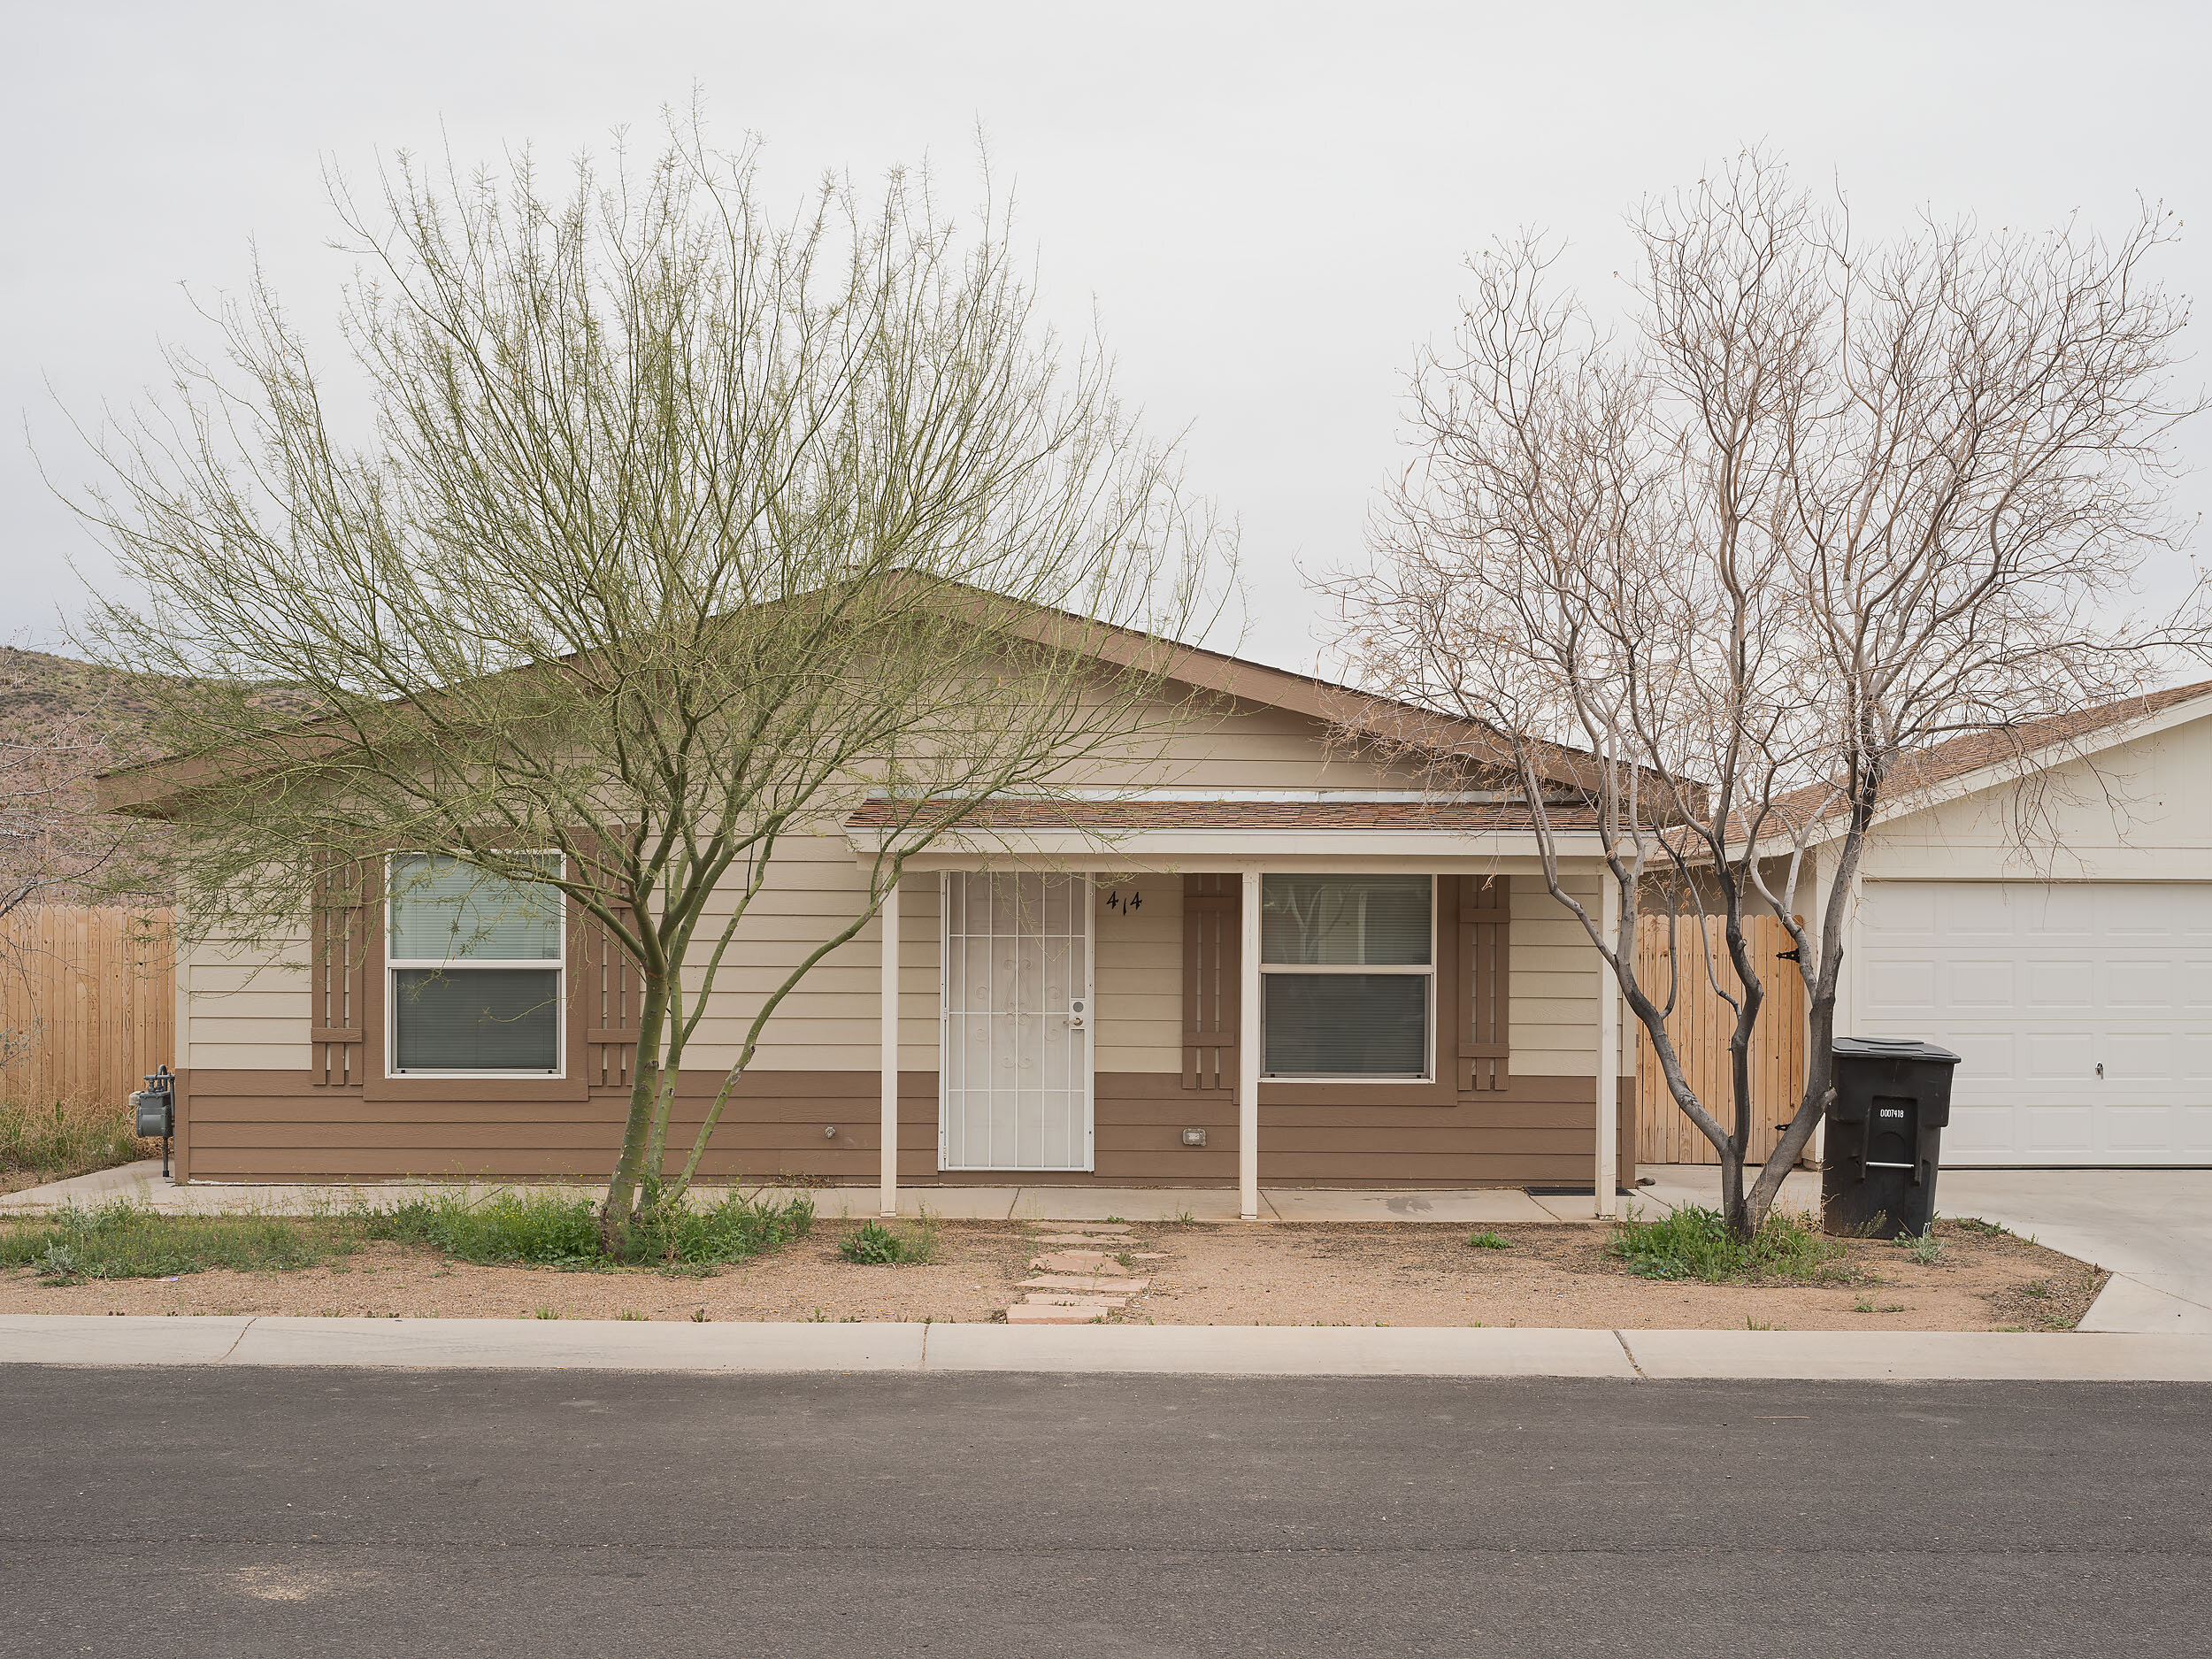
(1076,1015)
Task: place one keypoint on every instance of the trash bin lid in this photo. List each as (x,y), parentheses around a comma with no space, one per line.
(1892,1048)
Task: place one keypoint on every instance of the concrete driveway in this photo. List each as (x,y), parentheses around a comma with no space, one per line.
(2152,1229)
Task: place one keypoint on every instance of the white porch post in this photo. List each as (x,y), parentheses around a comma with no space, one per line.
(1248,1051)
(1607,1176)
(890,922)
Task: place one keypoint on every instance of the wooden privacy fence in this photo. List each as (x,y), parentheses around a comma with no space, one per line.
(88,1002)
(1701,1026)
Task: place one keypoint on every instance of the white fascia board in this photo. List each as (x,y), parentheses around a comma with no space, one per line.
(1267,796)
(1509,853)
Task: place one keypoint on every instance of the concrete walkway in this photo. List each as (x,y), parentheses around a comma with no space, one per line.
(1669,1185)
(143,1184)
(1192,1350)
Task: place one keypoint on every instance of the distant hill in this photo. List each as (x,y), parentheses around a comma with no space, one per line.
(42,695)
(62,723)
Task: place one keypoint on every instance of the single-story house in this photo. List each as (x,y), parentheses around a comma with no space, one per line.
(2040,901)
(1067,991)
(1269,961)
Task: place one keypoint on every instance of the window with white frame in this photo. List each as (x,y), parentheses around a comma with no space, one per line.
(474,965)
(1347,975)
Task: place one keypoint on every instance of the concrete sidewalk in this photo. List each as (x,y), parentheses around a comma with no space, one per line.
(143,1184)
(1182,1350)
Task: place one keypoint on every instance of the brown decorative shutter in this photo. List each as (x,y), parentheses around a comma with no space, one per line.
(605,1000)
(1485,932)
(1210,979)
(344,904)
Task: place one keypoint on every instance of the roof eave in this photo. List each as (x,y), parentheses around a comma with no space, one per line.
(1229,849)
(1832,827)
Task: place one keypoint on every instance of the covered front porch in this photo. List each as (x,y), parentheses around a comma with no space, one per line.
(1071,989)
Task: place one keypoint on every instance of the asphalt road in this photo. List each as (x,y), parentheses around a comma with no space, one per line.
(269,1512)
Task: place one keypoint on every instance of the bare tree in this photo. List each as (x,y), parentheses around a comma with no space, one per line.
(1813,507)
(680,529)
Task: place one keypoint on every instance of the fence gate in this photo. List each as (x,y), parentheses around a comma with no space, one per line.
(1701,1026)
(88,1002)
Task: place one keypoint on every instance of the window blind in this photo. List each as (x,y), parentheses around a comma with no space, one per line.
(1364,921)
(444,910)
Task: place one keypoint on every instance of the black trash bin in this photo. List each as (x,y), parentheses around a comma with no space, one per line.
(1885,1136)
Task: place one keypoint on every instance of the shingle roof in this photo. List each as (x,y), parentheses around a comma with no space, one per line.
(1954,757)
(1466,818)
(1920,770)
(142,787)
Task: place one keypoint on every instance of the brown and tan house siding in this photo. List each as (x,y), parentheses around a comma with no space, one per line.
(282,1052)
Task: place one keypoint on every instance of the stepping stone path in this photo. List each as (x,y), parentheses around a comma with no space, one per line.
(1080,1285)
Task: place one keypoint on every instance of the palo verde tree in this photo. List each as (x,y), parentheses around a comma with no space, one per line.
(1733,566)
(676,527)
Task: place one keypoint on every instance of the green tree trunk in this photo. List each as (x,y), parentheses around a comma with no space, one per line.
(638,1131)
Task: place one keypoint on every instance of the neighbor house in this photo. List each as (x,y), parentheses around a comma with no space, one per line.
(2040,901)
(1268,960)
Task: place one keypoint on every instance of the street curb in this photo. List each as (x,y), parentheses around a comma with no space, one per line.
(93,1339)
(1922,1356)
(1274,1350)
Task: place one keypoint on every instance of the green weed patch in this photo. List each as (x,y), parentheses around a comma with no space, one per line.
(550,1230)
(502,1230)
(1693,1242)
(67,1139)
(872,1244)
(123,1241)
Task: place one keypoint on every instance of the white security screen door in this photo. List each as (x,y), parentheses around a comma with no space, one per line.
(1015,1053)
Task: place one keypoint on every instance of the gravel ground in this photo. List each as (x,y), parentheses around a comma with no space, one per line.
(1273,1273)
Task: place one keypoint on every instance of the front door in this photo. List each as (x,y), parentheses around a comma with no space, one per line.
(1015,1055)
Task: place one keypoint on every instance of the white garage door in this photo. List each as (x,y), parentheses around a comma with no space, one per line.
(2082,1012)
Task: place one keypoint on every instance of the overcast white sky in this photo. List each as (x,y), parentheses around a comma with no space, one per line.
(1266,203)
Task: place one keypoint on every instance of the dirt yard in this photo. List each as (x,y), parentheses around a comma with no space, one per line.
(1279,1274)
